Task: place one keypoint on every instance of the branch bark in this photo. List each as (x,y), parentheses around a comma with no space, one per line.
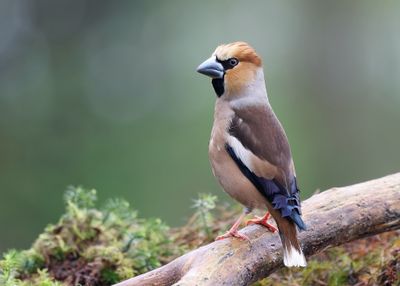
(333,217)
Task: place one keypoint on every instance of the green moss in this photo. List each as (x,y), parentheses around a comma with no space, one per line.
(111,243)
(8,268)
(370,261)
(17,264)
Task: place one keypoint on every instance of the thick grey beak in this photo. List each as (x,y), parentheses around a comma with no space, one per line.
(211,68)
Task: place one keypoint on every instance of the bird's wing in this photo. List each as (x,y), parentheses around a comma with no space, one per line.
(259,146)
(259,131)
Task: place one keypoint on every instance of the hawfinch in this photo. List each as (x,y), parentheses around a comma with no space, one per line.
(249,151)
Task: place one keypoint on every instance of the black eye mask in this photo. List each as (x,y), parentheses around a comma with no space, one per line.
(229,63)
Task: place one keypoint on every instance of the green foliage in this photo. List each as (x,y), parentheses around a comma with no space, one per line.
(80,198)
(19,263)
(11,261)
(41,278)
(204,204)
(112,240)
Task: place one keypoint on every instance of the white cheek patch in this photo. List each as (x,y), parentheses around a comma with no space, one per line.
(242,153)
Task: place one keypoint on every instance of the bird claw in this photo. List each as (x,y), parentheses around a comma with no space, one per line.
(233,234)
(264,222)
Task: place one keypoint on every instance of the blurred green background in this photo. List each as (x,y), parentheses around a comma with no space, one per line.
(104,94)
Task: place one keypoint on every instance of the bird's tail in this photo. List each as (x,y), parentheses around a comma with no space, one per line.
(292,254)
(296,218)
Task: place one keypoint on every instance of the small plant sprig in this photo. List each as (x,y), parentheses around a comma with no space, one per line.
(204,204)
(8,268)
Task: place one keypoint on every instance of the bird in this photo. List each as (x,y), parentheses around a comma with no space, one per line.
(249,151)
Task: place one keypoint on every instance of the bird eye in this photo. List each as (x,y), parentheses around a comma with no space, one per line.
(233,62)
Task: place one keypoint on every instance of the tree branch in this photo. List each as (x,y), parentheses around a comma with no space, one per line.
(333,217)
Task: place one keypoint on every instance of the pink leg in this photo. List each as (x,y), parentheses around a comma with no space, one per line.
(233,232)
(263,221)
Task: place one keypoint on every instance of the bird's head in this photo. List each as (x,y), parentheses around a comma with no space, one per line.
(232,67)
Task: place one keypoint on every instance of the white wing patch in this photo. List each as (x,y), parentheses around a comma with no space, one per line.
(293,257)
(241,152)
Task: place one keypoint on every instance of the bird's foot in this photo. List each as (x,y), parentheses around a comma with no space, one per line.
(264,222)
(233,233)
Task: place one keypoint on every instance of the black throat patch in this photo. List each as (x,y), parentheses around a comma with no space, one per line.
(218,85)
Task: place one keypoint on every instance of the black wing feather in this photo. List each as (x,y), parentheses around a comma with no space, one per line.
(288,203)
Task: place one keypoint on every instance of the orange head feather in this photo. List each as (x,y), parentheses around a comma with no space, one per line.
(240,50)
(245,71)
